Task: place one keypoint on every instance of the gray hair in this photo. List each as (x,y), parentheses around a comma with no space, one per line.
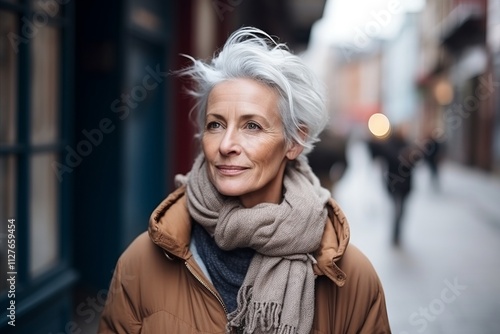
(251,53)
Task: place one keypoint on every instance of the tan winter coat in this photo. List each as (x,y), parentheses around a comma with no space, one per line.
(158,287)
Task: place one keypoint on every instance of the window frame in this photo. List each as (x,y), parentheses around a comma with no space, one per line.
(22,149)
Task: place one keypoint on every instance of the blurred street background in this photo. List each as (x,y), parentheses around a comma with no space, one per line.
(94,126)
(450,238)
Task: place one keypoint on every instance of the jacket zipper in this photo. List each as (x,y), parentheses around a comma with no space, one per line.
(207,287)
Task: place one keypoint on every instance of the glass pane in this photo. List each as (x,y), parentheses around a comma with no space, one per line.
(45,57)
(8,77)
(46,9)
(7,211)
(44,223)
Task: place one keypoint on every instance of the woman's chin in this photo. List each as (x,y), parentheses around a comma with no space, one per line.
(230,190)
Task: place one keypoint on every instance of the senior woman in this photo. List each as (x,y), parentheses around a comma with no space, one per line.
(249,242)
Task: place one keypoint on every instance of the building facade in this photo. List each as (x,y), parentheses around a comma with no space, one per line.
(458,81)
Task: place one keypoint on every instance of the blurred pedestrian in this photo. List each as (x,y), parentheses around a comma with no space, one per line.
(249,242)
(432,157)
(328,160)
(398,163)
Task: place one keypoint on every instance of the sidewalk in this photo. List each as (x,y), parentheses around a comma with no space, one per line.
(445,277)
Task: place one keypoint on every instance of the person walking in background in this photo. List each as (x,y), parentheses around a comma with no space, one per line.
(249,242)
(432,157)
(398,164)
(328,160)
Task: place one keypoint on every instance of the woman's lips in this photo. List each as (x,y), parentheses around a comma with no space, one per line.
(230,170)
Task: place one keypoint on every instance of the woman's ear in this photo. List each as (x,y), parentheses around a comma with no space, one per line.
(295,148)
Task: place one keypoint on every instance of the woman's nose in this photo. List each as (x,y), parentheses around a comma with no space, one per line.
(230,143)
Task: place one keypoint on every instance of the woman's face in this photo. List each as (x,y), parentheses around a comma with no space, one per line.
(243,142)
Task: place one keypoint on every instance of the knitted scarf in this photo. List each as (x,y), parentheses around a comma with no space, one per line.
(277,294)
(227,269)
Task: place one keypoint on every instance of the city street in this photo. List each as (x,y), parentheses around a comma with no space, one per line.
(445,276)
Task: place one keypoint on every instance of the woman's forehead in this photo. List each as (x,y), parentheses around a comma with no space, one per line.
(245,93)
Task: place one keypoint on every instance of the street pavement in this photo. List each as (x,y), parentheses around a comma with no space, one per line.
(445,275)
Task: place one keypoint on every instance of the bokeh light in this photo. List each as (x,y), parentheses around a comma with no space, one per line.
(379,125)
(443,92)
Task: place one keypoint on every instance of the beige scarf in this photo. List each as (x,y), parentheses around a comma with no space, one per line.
(277,295)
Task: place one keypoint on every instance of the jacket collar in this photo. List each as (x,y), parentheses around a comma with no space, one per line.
(170,229)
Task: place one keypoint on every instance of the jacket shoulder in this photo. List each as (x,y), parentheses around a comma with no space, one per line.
(142,241)
(359,270)
(140,248)
(170,224)
(151,293)
(138,262)
(356,307)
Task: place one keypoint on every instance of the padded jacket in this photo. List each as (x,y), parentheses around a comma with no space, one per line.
(159,287)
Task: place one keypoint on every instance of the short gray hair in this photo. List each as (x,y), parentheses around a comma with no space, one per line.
(251,53)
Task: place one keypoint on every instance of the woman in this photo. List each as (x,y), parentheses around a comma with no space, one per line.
(249,242)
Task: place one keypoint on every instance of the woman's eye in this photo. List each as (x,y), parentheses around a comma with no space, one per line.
(253,126)
(213,125)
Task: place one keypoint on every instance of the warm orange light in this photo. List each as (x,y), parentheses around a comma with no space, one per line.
(379,125)
(443,92)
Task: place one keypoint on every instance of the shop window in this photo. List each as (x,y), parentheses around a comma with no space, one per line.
(33,82)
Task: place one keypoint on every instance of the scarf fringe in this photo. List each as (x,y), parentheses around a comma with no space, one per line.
(287,329)
(258,316)
(243,299)
(265,316)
